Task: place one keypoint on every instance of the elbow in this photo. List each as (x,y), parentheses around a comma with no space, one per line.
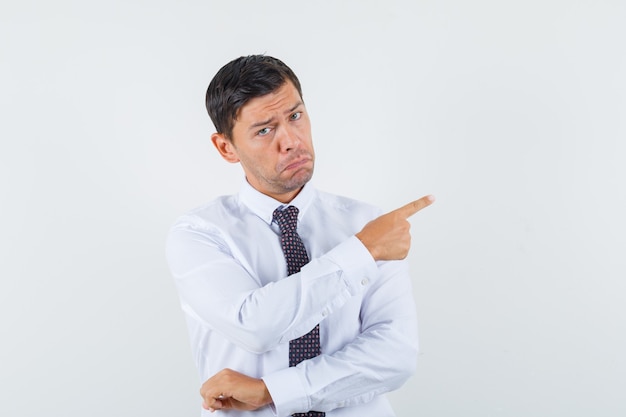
(404,367)
(410,367)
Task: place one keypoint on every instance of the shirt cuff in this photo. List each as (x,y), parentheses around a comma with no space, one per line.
(356,263)
(287,391)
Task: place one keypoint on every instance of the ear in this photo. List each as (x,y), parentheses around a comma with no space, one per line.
(225,147)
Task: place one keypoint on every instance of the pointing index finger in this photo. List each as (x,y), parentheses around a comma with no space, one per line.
(415,206)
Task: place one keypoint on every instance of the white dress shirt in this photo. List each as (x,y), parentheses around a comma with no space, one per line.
(242,309)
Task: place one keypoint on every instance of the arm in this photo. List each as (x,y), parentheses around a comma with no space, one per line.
(217,289)
(380,359)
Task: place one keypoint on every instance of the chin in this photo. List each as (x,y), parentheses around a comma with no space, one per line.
(296,182)
(302,177)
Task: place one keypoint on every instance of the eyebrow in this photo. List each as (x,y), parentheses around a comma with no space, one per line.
(298,104)
(268,121)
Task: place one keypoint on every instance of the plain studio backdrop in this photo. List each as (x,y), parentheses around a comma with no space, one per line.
(512,113)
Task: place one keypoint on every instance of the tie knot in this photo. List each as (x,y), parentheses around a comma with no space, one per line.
(287,219)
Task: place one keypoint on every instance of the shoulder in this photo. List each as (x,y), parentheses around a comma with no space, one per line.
(215,213)
(347,206)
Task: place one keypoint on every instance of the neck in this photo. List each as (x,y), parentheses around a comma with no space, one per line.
(285,198)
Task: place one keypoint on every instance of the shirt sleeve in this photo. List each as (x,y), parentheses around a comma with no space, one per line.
(217,290)
(378,360)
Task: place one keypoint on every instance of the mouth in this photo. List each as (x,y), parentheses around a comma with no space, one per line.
(297,164)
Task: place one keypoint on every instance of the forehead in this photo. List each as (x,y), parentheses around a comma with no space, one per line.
(279,101)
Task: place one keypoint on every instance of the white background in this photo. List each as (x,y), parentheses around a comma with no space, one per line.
(512,113)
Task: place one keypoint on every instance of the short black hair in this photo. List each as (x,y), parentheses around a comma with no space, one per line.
(239,81)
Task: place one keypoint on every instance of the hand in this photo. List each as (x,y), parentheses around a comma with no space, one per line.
(229,389)
(387,237)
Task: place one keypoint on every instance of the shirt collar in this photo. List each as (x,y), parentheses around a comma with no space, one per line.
(263,205)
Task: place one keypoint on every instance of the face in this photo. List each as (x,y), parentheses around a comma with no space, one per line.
(272,140)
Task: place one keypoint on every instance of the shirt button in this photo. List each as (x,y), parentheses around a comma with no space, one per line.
(365,281)
(325,312)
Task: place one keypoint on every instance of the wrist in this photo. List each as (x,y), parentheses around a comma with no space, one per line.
(368,245)
(266,397)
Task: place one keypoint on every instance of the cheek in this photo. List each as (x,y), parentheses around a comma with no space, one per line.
(263,161)
(305,134)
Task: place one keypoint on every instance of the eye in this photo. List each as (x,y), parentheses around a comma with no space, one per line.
(296,115)
(264,131)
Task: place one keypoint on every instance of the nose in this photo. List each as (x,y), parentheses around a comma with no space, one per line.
(288,139)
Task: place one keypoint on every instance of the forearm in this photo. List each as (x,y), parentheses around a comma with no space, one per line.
(225,296)
(354,375)
(378,360)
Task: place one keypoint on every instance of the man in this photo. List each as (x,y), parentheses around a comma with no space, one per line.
(256,300)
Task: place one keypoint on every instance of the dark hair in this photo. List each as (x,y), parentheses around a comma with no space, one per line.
(240,80)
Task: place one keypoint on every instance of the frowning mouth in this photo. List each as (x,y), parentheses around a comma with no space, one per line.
(291,165)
